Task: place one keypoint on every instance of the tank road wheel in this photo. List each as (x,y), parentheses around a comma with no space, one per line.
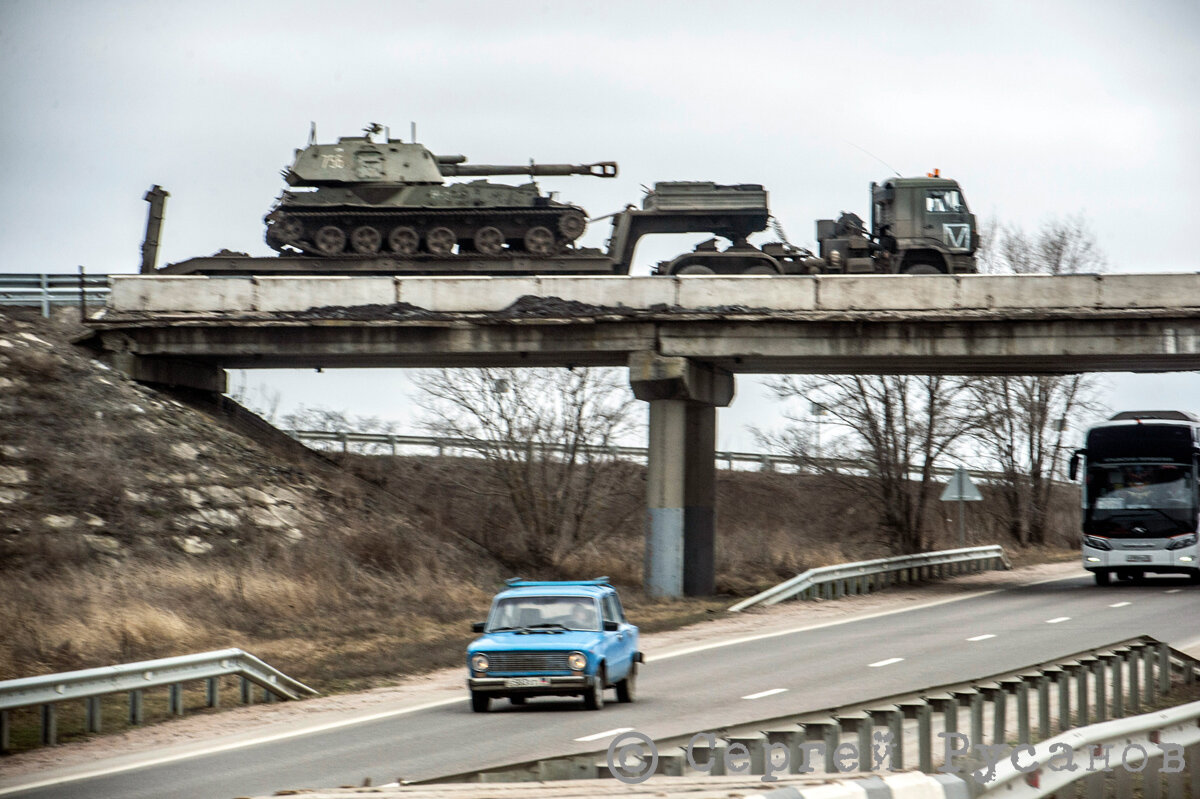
(441,240)
(366,240)
(404,240)
(922,269)
(489,240)
(539,241)
(330,240)
(287,229)
(571,225)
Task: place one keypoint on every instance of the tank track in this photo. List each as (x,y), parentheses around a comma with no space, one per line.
(407,232)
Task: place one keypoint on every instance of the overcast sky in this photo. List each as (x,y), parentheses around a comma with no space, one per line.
(1038,109)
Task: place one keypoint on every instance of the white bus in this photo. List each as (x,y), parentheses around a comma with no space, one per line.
(1140,495)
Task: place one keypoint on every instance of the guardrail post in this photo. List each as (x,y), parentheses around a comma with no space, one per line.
(1101,690)
(975,698)
(1152,779)
(5,732)
(1164,669)
(91,713)
(1019,688)
(1132,661)
(1192,756)
(925,738)
(137,712)
(994,693)
(828,733)
(247,692)
(947,705)
(1114,660)
(49,724)
(1124,783)
(212,692)
(45,286)
(1150,691)
(1093,785)
(1043,686)
(175,699)
(1063,683)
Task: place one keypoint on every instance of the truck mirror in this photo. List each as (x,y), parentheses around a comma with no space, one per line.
(1073,468)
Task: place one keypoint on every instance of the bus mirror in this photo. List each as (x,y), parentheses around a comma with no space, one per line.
(1073,468)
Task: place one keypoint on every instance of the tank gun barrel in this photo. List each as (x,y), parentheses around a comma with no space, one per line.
(451,167)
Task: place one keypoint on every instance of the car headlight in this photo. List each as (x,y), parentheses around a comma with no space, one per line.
(1182,541)
(1096,542)
(479,662)
(577,661)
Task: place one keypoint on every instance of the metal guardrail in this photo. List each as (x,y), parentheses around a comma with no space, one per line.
(1054,698)
(41,290)
(445,444)
(91,684)
(862,577)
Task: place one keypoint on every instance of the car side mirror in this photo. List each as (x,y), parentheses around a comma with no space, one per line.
(477,627)
(611,626)
(1073,468)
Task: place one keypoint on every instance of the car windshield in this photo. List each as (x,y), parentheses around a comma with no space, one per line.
(1139,500)
(544,612)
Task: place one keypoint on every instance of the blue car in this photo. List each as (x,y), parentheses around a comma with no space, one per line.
(563,638)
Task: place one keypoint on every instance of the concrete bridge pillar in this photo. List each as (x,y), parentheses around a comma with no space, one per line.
(681,471)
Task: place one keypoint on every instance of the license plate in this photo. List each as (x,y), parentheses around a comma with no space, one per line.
(1137,558)
(525,682)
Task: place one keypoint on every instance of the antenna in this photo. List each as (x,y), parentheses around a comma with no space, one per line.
(312,133)
(877,158)
(413,128)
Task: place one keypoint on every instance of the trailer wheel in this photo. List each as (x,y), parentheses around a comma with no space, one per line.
(760,269)
(922,269)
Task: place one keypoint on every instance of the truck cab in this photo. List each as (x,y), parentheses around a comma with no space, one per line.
(923,226)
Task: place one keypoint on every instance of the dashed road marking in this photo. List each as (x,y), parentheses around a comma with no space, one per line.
(1120,604)
(761,694)
(1058,619)
(887,662)
(1172,591)
(605,734)
(983,637)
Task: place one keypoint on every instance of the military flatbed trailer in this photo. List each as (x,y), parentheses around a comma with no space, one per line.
(458,265)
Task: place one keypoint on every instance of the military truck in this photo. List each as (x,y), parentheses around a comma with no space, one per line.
(918,226)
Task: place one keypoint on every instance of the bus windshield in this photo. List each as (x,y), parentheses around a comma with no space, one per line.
(1139,500)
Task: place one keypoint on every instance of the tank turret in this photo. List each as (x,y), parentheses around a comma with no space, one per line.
(372,194)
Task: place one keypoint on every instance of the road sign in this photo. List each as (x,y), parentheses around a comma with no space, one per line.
(961,489)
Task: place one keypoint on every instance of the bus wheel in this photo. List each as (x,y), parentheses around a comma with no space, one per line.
(1102,578)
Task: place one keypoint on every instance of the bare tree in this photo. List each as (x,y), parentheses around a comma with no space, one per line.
(1023,419)
(899,426)
(550,436)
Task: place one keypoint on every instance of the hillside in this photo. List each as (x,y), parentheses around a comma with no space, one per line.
(136,524)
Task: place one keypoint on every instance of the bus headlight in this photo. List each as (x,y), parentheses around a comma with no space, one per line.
(479,663)
(577,661)
(1182,541)
(1096,542)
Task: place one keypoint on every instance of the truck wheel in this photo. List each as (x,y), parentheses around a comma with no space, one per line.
(480,702)
(1102,578)
(760,269)
(594,699)
(627,688)
(924,269)
(694,269)
(517,700)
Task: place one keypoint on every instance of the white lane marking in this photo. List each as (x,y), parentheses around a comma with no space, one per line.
(1120,604)
(983,637)
(865,617)
(887,662)
(761,694)
(225,747)
(605,734)
(1172,591)
(1058,619)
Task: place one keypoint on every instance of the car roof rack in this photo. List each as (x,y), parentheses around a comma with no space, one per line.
(518,582)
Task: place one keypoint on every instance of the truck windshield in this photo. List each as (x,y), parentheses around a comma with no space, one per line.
(544,612)
(944,201)
(1138,500)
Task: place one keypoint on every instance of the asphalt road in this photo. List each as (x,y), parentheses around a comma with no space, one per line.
(717,687)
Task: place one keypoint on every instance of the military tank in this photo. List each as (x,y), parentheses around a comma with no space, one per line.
(372,194)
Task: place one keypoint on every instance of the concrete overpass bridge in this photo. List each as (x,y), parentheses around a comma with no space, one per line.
(682,339)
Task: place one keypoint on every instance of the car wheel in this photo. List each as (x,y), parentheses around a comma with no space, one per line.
(627,688)
(517,700)
(1194,576)
(594,699)
(1102,578)
(480,702)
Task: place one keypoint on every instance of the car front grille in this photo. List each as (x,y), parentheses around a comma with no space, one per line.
(527,661)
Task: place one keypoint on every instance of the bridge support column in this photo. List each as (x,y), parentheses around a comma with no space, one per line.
(681,470)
